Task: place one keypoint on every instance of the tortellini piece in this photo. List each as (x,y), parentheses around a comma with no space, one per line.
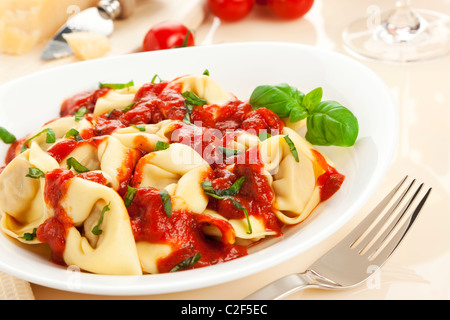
(145,137)
(294,181)
(23,206)
(180,170)
(112,250)
(109,156)
(115,99)
(206,88)
(61,127)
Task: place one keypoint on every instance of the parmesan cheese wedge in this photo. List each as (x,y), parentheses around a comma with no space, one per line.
(25,23)
(88,45)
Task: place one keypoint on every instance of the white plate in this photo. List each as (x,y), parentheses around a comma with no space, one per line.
(27,103)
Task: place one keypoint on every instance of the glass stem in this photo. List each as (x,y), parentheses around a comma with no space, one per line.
(404,24)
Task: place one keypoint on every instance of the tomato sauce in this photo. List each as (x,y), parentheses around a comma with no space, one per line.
(330,181)
(182,231)
(54,230)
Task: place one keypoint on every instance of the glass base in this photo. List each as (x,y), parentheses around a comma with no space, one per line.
(429,39)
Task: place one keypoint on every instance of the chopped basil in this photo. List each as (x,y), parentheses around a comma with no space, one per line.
(73,133)
(187,115)
(6,136)
(292,148)
(223,194)
(140,127)
(193,99)
(96,229)
(79,114)
(29,236)
(51,138)
(167,202)
(227,152)
(239,206)
(124,110)
(129,197)
(161,146)
(78,167)
(116,85)
(35,173)
(186,263)
(218,193)
(156,77)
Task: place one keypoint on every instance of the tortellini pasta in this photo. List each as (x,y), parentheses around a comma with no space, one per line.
(120,198)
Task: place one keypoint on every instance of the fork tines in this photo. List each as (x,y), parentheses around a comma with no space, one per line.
(375,236)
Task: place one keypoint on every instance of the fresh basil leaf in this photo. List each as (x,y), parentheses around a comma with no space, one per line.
(292,148)
(129,197)
(6,136)
(73,133)
(227,152)
(96,230)
(79,114)
(222,193)
(78,167)
(35,173)
(206,72)
(161,146)
(167,202)
(29,236)
(280,99)
(330,123)
(50,138)
(116,85)
(186,263)
(239,206)
(312,99)
(193,99)
(297,114)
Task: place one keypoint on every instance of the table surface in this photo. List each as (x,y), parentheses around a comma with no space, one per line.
(419,267)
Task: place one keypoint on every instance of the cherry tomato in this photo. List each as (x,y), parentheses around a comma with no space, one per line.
(230,10)
(262,2)
(168,35)
(290,9)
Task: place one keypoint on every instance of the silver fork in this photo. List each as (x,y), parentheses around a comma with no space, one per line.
(359,255)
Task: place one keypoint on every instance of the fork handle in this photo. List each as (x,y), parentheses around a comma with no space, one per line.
(283,287)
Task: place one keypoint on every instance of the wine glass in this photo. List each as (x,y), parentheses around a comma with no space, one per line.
(404,35)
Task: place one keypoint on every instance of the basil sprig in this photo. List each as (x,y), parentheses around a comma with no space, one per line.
(6,136)
(328,122)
